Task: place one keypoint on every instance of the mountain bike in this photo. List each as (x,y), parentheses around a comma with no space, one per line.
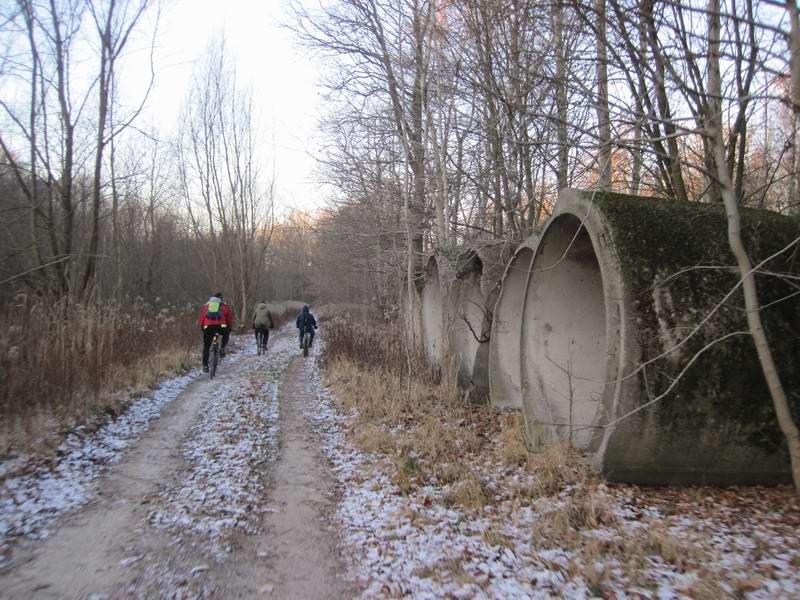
(261,341)
(306,342)
(213,359)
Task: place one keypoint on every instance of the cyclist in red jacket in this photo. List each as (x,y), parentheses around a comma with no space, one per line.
(215,317)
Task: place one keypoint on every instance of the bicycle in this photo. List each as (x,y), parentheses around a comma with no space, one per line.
(306,342)
(261,341)
(214,357)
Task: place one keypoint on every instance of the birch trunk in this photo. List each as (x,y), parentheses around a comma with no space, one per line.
(752,306)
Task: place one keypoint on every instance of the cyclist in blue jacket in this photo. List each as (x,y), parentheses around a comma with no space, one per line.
(306,323)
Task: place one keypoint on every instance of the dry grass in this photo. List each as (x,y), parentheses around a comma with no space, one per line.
(430,436)
(425,425)
(375,439)
(585,509)
(555,467)
(586,524)
(469,492)
(449,570)
(282,312)
(380,346)
(383,397)
(62,363)
(511,444)
(351,312)
(408,473)
(420,421)
(493,537)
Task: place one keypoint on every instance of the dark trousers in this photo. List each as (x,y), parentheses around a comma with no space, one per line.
(311,341)
(208,335)
(265,329)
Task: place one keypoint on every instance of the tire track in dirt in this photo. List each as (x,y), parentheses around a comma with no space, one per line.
(297,545)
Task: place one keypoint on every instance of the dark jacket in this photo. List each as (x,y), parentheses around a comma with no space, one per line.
(306,321)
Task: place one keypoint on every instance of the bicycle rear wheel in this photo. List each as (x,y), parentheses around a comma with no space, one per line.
(306,343)
(212,366)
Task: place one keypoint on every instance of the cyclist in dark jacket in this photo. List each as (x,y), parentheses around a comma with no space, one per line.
(306,323)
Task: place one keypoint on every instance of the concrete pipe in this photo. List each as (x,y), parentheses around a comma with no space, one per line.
(494,256)
(468,312)
(631,349)
(505,357)
(433,297)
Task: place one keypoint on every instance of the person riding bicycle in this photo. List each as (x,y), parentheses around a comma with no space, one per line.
(262,321)
(216,317)
(306,323)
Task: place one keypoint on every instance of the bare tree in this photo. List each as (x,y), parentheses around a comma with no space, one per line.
(114,24)
(218,166)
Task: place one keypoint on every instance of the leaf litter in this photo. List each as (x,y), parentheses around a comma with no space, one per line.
(608,541)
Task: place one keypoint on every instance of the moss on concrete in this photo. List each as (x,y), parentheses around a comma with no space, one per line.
(678,267)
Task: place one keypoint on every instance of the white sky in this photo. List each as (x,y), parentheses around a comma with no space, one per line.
(266,55)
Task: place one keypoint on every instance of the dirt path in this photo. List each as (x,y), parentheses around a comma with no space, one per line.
(87,553)
(224,496)
(301,551)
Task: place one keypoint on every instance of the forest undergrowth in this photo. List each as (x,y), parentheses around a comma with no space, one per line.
(436,445)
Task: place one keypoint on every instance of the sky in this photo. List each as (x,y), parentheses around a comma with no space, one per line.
(266,56)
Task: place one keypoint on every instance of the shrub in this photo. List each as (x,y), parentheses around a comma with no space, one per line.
(381,346)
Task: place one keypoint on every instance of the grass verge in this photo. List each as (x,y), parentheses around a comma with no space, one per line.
(438,448)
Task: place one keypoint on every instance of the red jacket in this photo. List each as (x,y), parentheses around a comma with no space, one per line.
(226,320)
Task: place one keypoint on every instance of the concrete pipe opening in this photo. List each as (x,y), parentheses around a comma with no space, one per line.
(565,332)
(432,318)
(505,360)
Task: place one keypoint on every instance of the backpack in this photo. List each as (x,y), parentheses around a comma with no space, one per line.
(214,311)
(307,326)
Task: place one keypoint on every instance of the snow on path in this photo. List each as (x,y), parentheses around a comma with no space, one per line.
(221,489)
(181,516)
(31,502)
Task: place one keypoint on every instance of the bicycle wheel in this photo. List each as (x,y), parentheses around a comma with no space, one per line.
(306,342)
(212,366)
(259,337)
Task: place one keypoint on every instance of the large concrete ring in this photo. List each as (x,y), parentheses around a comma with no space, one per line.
(631,355)
(433,316)
(505,357)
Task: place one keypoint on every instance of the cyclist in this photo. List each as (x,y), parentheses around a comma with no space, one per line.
(216,317)
(306,323)
(262,321)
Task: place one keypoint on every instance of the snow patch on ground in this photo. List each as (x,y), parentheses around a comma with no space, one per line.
(32,501)
(395,543)
(416,545)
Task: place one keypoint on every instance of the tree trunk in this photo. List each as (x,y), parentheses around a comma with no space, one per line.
(715,138)
(603,114)
(794,66)
(562,108)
